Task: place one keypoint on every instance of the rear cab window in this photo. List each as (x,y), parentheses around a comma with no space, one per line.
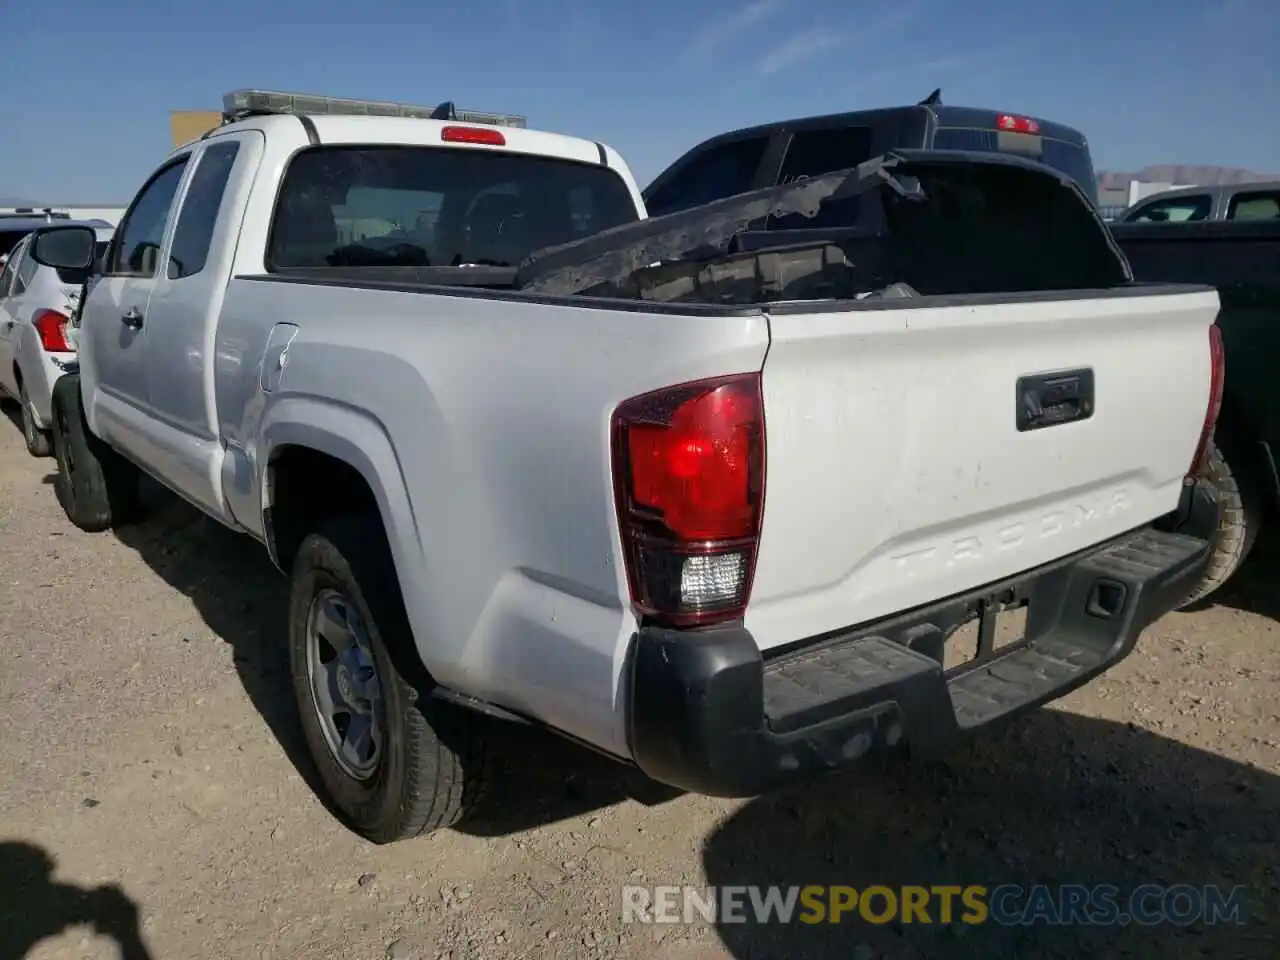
(428,206)
(1071,159)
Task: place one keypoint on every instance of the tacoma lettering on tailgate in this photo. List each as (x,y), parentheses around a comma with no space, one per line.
(1004,535)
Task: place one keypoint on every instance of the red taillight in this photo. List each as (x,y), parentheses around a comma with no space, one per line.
(1007,121)
(1217,381)
(688,465)
(52,327)
(493,138)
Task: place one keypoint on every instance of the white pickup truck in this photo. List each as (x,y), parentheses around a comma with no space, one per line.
(719,512)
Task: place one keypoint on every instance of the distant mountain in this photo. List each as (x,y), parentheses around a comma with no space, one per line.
(1174,173)
(15,202)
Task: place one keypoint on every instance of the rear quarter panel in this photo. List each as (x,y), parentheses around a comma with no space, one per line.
(483,426)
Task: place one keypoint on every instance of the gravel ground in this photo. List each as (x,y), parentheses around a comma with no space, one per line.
(155,798)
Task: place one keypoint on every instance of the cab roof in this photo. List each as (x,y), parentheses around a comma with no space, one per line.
(343,130)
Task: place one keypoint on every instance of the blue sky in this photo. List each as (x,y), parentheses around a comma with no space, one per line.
(89,85)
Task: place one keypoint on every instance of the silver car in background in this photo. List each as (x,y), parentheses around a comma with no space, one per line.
(36,340)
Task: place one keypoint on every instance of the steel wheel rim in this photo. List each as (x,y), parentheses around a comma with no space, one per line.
(346,691)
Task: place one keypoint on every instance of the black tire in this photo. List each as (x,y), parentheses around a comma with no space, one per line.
(96,487)
(434,765)
(39,443)
(1239,519)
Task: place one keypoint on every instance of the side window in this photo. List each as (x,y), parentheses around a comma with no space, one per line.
(1254,206)
(138,240)
(718,173)
(1174,210)
(25,273)
(199,213)
(10,269)
(9,239)
(815,152)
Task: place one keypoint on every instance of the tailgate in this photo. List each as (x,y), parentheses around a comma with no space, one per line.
(897,473)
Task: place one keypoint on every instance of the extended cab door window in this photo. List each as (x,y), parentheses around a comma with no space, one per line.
(185,300)
(720,171)
(199,214)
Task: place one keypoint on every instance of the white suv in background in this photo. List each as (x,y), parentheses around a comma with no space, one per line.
(36,304)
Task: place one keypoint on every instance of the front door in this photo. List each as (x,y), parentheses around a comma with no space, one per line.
(113,327)
(183,312)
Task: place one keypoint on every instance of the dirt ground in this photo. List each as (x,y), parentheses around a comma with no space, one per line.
(155,801)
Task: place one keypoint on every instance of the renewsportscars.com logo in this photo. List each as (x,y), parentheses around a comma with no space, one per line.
(974,904)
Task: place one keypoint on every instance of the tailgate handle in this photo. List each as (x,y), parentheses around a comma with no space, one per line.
(1050,399)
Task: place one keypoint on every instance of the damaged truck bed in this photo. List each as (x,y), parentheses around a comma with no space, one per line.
(929,222)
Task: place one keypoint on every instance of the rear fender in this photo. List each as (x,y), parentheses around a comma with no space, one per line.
(361,442)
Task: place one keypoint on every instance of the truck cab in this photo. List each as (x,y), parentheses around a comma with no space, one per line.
(786,150)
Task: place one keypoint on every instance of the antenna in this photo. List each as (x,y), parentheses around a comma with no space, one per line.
(444,112)
(932,100)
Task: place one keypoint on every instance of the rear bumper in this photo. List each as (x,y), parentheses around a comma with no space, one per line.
(708,714)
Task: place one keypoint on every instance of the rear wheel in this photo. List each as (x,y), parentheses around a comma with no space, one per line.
(1239,519)
(39,443)
(394,762)
(96,487)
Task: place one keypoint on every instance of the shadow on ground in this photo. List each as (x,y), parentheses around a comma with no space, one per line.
(35,907)
(244,600)
(11,412)
(1255,587)
(1055,799)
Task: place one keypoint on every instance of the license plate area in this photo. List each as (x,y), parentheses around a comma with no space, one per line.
(995,628)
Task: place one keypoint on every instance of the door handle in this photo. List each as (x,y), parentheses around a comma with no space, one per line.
(1047,400)
(132,318)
